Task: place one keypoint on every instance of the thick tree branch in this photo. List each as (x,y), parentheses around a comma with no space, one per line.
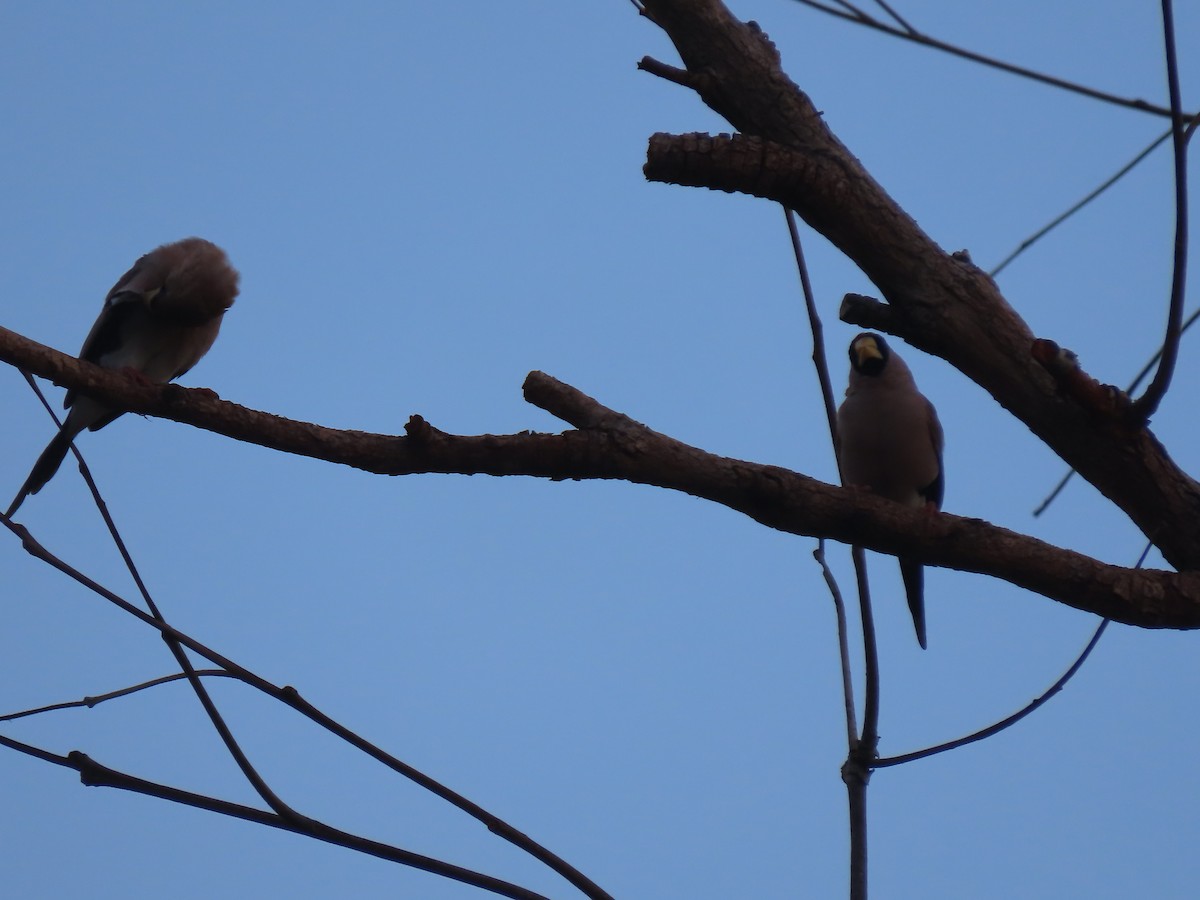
(607,444)
(936,301)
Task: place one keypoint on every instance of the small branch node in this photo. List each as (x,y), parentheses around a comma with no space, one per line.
(670,73)
(1105,401)
(867,312)
(420,431)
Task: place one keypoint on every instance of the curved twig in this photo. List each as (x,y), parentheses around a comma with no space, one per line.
(94,701)
(1016,717)
(843,632)
(1020,714)
(1145,405)
(1052,80)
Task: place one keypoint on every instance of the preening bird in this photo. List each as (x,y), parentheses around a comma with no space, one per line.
(891,444)
(157,322)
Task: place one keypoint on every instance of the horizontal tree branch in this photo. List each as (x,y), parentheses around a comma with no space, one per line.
(605,444)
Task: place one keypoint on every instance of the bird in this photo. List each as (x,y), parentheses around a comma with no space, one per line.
(158,320)
(891,443)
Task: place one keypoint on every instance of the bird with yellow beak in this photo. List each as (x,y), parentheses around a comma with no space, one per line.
(891,444)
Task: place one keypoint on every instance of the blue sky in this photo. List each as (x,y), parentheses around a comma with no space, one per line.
(427,201)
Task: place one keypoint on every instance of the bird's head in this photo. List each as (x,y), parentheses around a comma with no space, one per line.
(189,281)
(869,354)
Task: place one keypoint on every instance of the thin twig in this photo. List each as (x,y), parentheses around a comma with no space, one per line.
(821,364)
(870,728)
(895,15)
(35,752)
(1041,233)
(1020,714)
(857,13)
(94,701)
(292,698)
(94,774)
(843,631)
(210,708)
(820,361)
(925,40)
(1003,723)
(494,823)
(1146,405)
(856,771)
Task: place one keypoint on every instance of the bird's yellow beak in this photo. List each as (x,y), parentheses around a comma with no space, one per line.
(866,349)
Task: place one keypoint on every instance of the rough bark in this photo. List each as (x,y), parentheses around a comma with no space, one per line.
(606,444)
(936,301)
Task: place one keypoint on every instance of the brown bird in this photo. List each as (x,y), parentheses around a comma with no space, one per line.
(891,444)
(157,322)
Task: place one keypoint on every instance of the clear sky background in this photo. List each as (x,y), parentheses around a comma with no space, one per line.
(427,201)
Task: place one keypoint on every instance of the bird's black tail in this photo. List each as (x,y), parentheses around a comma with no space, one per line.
(913,574)
(43,470)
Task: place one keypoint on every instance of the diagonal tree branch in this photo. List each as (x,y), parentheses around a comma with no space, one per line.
(939,302)
(94,774)
(945,305)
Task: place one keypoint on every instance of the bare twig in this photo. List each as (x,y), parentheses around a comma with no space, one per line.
(1020,714)
(857,13)
(895,15)
(925,40)
(1145,405)
(251,774)
(93,701)
(870,728)
(292,698)
(494,824)
(843,631)
(856,771)
(820,362)
(93,774)
(1003,723)
(1041,233)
